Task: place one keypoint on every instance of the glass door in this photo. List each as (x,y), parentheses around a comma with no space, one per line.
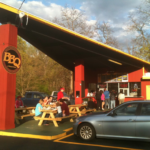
(125,88)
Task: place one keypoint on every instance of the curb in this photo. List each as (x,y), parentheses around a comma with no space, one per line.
(32,136)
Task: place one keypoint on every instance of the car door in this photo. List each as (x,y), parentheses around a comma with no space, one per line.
(143,122)
(27,99)
(36,98)
(122,123)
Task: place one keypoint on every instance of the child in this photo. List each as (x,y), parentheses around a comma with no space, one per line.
(58,107)
(38,108)
(38,112)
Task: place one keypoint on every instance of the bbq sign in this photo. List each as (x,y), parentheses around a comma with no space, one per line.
(11,59)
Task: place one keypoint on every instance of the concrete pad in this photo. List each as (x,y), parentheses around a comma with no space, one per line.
(29,129)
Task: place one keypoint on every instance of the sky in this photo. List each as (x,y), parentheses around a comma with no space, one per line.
(113,11)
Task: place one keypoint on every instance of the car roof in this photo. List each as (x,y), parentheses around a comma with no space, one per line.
(139,101)
(34,92)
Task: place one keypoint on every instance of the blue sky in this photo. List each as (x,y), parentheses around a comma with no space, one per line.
(74,3)
(113,11)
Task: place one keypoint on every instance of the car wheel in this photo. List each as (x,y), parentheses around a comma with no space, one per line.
(86,132)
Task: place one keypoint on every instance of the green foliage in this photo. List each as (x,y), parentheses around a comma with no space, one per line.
(39,72)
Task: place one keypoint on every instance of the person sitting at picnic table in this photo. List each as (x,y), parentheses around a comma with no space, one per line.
(38,112)
(45,101)
(50,100)
(91,104)
(60,94)
(19,102)
(64,108)
(59,110)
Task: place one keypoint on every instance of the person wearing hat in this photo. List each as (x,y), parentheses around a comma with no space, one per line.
(19,102)
(60,94)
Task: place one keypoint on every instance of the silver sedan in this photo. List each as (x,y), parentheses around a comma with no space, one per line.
(130,120)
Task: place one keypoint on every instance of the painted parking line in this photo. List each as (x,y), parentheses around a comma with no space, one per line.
(95,145)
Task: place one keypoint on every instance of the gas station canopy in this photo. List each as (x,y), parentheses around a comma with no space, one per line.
(66,46)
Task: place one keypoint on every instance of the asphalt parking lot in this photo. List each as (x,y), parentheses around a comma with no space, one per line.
(70,142)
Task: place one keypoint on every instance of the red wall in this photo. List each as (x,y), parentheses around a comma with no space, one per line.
(8,37)
(135,76)
(143,86)
(79,76)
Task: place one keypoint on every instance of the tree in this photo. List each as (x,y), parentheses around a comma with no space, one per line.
(139,24)
(39,72)
(75,20)
(105,34)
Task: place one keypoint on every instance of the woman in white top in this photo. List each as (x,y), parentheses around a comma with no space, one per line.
(59,110)
(121,97)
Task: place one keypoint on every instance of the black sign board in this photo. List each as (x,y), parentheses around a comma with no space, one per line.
(11,59)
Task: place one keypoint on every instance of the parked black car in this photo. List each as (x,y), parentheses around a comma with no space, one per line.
(31,98)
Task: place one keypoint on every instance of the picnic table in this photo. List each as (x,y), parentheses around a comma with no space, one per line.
(75,109)
(51,117)
(28,113)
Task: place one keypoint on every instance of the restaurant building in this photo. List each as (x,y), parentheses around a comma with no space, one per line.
(94,64)
(135,85)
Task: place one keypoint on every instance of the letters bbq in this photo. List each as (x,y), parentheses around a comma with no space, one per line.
(11,59)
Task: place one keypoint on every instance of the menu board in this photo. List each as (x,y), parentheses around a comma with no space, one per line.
(125,77)
(101,85)
(123,85)
(114,78)
(119,79)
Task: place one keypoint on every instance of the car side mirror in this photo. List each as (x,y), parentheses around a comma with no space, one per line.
(112,114)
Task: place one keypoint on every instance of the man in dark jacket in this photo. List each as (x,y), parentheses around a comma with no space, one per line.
(98,98)
(112,99)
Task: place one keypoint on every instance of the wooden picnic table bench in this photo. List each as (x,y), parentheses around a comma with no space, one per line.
(28,111)
(52,117)
(75,109)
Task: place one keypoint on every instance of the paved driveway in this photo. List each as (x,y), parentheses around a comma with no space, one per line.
(69,142)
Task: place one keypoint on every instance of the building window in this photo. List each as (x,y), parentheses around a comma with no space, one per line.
(92,87)
(135,89)
(123,85)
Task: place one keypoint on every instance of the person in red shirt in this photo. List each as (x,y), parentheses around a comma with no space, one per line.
(60,94)
(64,108)
(19,102)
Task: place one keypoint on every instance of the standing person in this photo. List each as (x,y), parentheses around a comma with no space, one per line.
(107,99)
(60,94)
(102,99)
(112,99)
(64,108)
(19,102)
(98,98)
(121,97)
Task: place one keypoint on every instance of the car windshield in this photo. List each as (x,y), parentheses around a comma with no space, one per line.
(65,94)
(44,95)
(55,93)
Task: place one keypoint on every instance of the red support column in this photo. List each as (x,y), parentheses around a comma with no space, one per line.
(8,37)
(79,77)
